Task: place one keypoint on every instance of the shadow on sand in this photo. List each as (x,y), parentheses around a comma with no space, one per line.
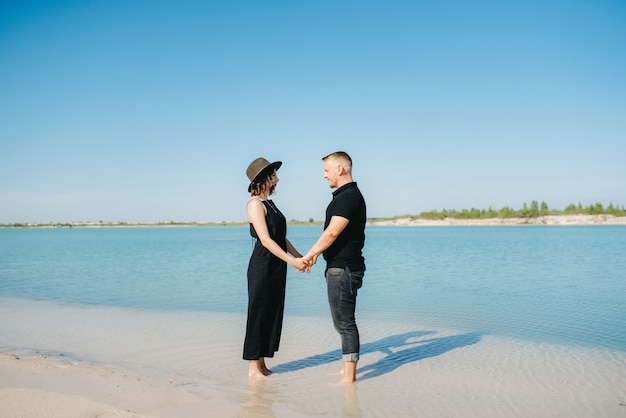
(399,349)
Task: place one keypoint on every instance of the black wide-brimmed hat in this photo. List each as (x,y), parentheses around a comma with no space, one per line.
(257,166)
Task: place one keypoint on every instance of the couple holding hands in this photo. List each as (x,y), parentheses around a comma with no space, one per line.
(341,244)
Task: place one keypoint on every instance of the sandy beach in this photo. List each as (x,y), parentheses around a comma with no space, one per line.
(45,386)
(87,361)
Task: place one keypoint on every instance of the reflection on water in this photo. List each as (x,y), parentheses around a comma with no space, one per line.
(259,399)
(264,397)
(351,406)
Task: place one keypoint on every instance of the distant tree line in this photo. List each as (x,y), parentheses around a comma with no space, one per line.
(533,210)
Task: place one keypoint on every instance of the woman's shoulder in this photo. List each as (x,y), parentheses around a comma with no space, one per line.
(255,200)
(256,203)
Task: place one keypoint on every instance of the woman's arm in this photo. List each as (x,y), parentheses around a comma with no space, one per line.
(256,216)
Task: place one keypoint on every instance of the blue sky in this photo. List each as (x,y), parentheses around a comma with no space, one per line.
(151,110)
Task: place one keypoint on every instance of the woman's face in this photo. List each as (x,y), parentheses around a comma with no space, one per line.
(273,181)
(274,178)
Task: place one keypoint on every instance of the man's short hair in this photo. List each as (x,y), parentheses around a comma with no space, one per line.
(339,154)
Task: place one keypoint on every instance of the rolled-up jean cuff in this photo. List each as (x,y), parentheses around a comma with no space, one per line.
(350,357)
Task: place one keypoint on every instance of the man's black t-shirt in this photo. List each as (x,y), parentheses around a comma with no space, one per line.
(348,202)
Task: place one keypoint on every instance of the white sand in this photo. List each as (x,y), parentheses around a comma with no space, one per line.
(175,364)
(42,386)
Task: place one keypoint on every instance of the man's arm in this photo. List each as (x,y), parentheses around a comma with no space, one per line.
(335,227)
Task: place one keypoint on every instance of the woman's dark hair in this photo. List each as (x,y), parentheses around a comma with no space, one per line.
(258,185)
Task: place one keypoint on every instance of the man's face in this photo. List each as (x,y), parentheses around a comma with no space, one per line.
(331,172)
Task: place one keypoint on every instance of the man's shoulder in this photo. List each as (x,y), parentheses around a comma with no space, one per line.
(354,191)
(347,202)
(347,188)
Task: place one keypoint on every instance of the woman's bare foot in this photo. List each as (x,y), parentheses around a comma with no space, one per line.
(264,368)
(254,369)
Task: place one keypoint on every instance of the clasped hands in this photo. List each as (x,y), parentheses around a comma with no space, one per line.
(304,264)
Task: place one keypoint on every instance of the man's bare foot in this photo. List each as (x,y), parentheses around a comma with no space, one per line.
(345,380)
(348,374)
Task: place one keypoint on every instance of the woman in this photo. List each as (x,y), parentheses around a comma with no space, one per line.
(267,270)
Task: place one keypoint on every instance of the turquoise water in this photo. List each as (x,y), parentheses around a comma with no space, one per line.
(555,284)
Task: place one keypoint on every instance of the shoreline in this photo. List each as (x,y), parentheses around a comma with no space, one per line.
(548,220)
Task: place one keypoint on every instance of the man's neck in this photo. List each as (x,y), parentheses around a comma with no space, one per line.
(343,181)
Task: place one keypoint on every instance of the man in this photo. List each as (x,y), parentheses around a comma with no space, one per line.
(341,243)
